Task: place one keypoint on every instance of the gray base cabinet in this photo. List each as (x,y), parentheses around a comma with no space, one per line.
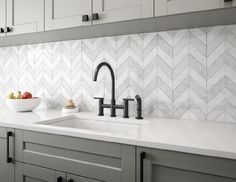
(101,161)
(6,168)
(167,166)
(43,157)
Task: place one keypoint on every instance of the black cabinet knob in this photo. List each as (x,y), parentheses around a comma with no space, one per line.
(1,30)
(95,16)
(85,18)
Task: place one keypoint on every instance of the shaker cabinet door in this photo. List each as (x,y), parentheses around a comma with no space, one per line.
(25,16)
(113,10)
(74,178)
(30,173)
(2,16)
(184,6)
(61,14)
(6,168)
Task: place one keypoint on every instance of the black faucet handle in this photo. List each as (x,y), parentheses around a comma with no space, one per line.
(127,99)
(126,107)
(100,106)
(139,107)
(99,98)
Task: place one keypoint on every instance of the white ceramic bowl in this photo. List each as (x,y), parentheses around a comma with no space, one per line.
(23,105)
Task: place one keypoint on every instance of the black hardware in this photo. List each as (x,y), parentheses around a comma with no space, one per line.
(7,29)
(85,18)
(139,107)
(60,179)
(1,30)
(100,104)
(9,159)
(126,107)
(95,16)
(142,157)
(228,1)
(113,101)
(113,105)
(70,180)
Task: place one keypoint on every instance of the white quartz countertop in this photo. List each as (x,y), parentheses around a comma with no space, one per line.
(197,137)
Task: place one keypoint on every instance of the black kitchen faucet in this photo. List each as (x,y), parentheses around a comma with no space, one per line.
(113,106)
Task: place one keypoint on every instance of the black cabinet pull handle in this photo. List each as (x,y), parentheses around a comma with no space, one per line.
(228,1)
(142,157)
(70,180)
(85,18)
(95,16)
(1,30)
(59,179)
(9,159)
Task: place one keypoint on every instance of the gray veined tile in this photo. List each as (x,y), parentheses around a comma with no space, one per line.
(198,73)
(179,74)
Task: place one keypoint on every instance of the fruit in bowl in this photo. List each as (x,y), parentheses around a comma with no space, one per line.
(22,102)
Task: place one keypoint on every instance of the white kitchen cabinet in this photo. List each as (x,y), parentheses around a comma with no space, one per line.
(169,7)
(113,10)
(161,7)
(25,16)
(61,14)
(2,16)
(184,6)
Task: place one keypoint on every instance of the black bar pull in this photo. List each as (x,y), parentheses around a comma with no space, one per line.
(142,157)
(9,159)
(60,179)
(95,16)
(70,180)
(228,1)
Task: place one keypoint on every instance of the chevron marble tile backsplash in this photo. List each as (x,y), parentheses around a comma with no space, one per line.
(186,74)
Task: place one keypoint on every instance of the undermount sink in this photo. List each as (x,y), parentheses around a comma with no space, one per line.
(97,125)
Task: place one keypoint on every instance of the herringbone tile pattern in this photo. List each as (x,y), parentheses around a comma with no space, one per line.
(184,74)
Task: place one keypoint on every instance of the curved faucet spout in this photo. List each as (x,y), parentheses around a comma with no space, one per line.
(112,78)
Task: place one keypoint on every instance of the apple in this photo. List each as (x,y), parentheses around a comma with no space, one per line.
(26,95)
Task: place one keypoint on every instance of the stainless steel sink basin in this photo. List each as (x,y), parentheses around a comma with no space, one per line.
(101,126)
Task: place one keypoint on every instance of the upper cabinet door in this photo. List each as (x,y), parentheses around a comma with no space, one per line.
(61,14)
(184,6)
(2,16)
(161,8)
(25,16)
(114,10)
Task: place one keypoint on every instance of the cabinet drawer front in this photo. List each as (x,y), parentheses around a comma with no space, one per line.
(198,163)
(194,165)
(166,174)
(93,159)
